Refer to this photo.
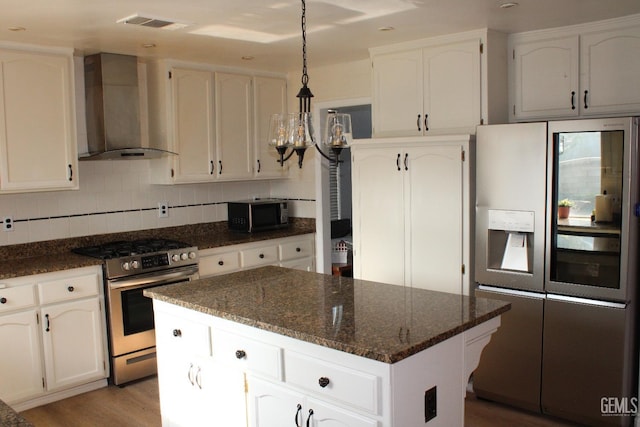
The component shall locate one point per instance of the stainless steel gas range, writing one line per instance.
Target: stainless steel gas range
(130, 267)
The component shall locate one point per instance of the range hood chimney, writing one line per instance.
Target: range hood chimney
(113, 109)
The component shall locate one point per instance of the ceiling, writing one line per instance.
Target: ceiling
(269, 31)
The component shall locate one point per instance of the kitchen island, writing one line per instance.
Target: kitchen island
(274, 345)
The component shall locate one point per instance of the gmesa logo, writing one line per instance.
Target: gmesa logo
(615, 406)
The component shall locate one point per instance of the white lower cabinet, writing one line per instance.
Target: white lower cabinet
(55, 325)
(292, 252)
(273, 405)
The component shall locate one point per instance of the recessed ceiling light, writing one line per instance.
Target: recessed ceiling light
(17, 29)
(149, 45)
(507, 5)
(386, 29)
(247, 58)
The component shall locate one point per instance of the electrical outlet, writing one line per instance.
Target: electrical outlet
(7, 223)
(163, 210)
(430, 404)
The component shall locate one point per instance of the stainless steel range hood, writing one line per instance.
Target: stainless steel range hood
(113, 109)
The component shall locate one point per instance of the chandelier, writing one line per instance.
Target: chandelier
(294, 132)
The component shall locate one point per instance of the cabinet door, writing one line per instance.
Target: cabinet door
(325, 415)
(397, 94)
(452, 87)
(609, 66)
(378, 214)
(69, 360)
(270, 97)
(37, 122)
(21, 366)
(270, 405)
(433, 215)
(234, 126)
(545, 78)
(192, 93)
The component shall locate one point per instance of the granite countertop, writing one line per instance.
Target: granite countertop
(55, 255)
(9, 417)
(382, 322)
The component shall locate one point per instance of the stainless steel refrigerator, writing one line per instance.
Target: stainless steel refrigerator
(567, 347)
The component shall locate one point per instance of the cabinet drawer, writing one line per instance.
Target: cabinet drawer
(68, 288)
(264, 255)
(356, 388)
(16, 298)
(219, 264)
(297, 249)
(247, 354)
(178, 335)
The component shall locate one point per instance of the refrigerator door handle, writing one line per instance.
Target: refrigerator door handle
(587, 301)
(512, 292)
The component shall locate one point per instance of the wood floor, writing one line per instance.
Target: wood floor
(137, 405)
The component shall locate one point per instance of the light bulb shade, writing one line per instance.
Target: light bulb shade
(300, 130)
(337, 132)
(278, 134)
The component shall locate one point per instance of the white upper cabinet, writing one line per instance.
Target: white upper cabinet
(545, 76)
(234, 125)
(38, 147)
(609, 70)
(439, 86)
(214, 121)
(579, 71)
(269, 97)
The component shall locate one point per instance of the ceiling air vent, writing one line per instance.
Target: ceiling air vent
(152, 22)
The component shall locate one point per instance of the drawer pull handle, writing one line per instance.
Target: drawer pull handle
(261, 256)
(299, 409)
(177, 333)
(323, 381)
(3, 300)
(309, 417)
(241, 354)
(71, 288)
(220, 262)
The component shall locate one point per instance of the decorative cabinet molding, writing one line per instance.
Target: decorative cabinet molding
(216, 121)
(441, 85)
(56, 324)
(38, 145)
(580, 71)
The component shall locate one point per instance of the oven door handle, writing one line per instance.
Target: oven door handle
(189, 272)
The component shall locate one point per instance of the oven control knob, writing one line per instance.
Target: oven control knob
(135, 264)
(192, 255)
(126, 266)
(183, 256)
(175, 257)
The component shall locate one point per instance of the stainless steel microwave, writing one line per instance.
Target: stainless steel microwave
(249, 216)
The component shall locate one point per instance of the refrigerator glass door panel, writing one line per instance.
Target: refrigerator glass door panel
(587, 247)
(510, 366)
(585, 358)
(510, 205)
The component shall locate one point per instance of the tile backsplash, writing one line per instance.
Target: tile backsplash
(116, 196)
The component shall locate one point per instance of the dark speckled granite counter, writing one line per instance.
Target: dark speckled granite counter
(54, 255)
(9, 417)
(382, 322)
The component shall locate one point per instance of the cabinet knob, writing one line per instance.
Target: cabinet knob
(177, 333)
(241, 354)
(298, 249)
(220, 262)
(323, 381)
(3, 300)
(71, 288)
(261, 256)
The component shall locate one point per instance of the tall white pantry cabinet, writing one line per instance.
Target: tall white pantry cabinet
(413, 211)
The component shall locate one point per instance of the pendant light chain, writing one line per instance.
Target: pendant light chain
(305, 76)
